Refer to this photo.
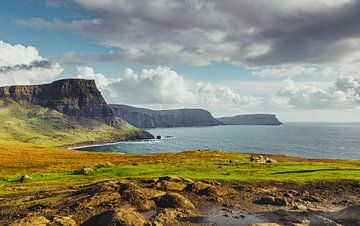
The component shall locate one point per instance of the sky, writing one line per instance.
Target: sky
(299, 60)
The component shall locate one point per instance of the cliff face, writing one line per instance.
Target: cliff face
(146, 118)
(255, 119)
(73, 97)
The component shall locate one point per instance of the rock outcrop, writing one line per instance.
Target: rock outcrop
(146, 118)
(73, 97)
(253, 119)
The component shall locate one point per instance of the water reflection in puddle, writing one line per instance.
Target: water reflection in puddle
(219, 215)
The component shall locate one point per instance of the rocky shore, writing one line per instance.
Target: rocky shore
(173, 200)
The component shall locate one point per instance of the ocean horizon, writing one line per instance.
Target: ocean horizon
(299, 139)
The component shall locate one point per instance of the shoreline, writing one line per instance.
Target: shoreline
(78, 148)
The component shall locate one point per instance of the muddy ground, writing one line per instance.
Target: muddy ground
(179, 201)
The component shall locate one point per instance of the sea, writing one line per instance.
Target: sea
(310, 140)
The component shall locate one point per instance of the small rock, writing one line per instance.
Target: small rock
(171, 178)
(300, 207)
(174, 200)
(25, 178)
(233, 161)
(197, 186)
(312, 199)
(63, 221)
(270, 160)
(84, 171)
(187, 180)
(215, 191)
(264, 224)
(158, 137)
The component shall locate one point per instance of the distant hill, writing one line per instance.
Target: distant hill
(253, 119)
(64, 112)
(147, 118)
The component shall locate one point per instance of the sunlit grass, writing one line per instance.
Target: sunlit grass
(52, 168)
(25, 123)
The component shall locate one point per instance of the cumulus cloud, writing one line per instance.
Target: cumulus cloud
(86, 72)
(344, 94)
(160, 85)
(198, 32)
(23, 65)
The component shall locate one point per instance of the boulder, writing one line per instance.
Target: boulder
(31, 221)
(270, 160)
(25, 178)
(261, 159)
(172, 186)
(197, 186)
(174, 200)
(84, 171)
(140, 197)
(122, 216)
(215, 191)
(269, 200)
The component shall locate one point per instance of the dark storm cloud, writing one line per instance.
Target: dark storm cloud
(198, 32)
(34, 64)
(315, 37)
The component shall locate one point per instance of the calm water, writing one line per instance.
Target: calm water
(316, 140)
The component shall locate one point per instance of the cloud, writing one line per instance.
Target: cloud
(344, 94)
(23, 65)
(164, 88)
(86, 72)
(198, 32)
(284, 71)
(160, 85)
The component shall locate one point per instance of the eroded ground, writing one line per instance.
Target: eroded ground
(54, 186)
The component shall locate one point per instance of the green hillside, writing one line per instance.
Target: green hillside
(33, 124)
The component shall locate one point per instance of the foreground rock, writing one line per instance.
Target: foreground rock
(275, 201)
(142, 198)
(216, 191)
(43, 221)
(121, 216)
(139, 202)
(31, 220)
(174, 200)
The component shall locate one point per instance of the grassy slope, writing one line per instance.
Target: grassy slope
(52, 167)
(30, 124)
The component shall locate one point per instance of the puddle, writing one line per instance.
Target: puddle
(219, 215)
(149, 214)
